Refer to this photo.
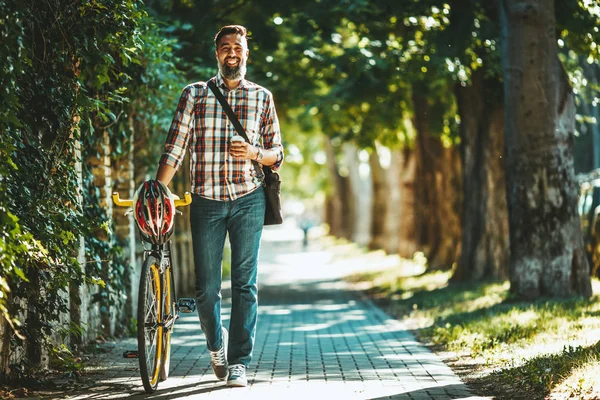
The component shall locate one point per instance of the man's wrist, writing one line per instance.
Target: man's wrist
(259, 154)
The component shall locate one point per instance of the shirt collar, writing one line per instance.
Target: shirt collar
(221, 82)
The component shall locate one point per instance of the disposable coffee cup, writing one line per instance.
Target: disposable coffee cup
(237, 138)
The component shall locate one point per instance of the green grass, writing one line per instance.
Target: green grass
(542, 373)
(518, 348)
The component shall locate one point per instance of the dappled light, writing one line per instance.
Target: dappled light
(440, 186)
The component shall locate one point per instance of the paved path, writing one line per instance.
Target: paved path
(315, 339)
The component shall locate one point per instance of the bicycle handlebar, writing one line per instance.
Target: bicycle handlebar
(187, 200)
(121, 203)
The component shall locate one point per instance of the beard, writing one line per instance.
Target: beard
(233, 73)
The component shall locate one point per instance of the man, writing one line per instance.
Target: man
(227, 195)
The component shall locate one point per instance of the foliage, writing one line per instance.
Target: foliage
(90, 70)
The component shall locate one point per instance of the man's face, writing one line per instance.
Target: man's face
(232, 53)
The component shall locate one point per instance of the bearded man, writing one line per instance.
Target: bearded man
(228, 196)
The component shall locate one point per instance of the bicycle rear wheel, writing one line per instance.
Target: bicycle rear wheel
(150, 332)
(170, 315)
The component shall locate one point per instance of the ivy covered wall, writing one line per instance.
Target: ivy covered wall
(86, 88)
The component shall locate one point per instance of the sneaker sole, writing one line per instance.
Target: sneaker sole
(237, 384)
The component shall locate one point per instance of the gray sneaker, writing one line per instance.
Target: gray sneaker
(219, 358)
(237, 376)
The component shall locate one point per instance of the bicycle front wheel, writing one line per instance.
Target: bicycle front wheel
(150, 331)
(170, 316)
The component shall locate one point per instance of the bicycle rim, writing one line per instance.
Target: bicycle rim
(169, 307)
(149, 330)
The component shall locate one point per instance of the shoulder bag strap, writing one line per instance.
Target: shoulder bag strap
(234, 120)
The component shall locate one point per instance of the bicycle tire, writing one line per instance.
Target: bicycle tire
(169, 309)
(150, 331)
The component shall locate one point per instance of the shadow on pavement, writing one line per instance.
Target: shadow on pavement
(314, 337)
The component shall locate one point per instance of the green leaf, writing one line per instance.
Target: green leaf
(20, 273)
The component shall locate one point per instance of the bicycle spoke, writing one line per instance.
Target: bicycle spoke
(152, 321)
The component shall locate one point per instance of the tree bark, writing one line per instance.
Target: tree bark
(359, 197)
(546, 246)
(5, 334)
(436, 200)
(340, 208)
(393, 206)
(485, 247)
(406, 164)
(380, 202)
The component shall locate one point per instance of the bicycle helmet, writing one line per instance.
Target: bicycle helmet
(154, 211)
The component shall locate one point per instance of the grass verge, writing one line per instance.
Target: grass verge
(546, 349)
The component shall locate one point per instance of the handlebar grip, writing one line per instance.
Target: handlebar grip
(121, 203)
(185, 202)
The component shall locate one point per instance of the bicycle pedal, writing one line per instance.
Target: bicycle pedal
(130, 354)
(186, 305)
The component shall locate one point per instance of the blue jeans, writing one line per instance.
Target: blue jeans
(211, 220)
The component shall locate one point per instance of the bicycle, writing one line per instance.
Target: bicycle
(157, 308)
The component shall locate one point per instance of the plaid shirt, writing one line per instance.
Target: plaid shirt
(201, 124)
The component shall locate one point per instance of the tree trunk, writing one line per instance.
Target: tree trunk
(340, 207)
(5, 334)
(436, 201)
(360, 194)
(393, 207)
(546, 247)
(484, 252)
(406, 164)
(380, 203)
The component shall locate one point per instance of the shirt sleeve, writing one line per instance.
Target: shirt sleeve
(270, 131)
(180, 131)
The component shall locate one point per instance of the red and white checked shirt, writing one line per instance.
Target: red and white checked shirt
(200, 124)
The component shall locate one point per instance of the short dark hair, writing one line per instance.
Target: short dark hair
(230, 29)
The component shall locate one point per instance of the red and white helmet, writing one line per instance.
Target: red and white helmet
(154, 211)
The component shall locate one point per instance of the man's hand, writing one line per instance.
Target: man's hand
(242, 150)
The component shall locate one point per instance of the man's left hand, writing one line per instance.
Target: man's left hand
(242, 150)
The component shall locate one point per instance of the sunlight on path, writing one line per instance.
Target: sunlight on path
(315, 339)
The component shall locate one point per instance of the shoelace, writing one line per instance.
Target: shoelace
(218, 357)
(237, 370)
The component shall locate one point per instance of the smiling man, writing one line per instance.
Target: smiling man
(228, 196)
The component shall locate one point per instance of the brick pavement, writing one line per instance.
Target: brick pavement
(315, 339)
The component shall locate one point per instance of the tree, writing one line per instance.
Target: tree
(474, 35)
(547, 256)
